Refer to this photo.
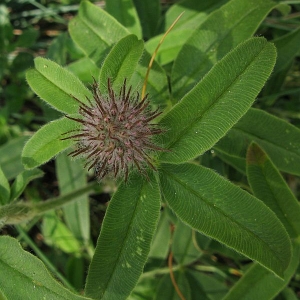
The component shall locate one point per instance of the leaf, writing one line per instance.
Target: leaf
(56, 85)
(287, 49)
(46, 143)
(160, 244)
(279, 139)
(171, 46)
(149, 12)
(71, 176)
(84, 69)
(195, 13)
(215, 207)
(95, 31)
(4, 189)
(125, 12)
(269, 186)
(10, 157)
(203, 116)
(22, 181)
(57, 235)
(24, 274)
(222, 31)
(259, 283)
(166, 289)
(121, 62)
(125, 239)
(183, 245)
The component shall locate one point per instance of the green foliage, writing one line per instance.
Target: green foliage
(211, 207)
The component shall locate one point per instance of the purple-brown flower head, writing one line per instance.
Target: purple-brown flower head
(115, 132)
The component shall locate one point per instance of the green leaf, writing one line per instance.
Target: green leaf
(183, 244)
(269, 186)
(84, 69)
(57, 235)
(149, 12)
(215, 104)
(222, 31)
(278, 138)
(23, 274)
(195, 13)
(171, 46)
(95, 31)
(10, 157)
(125, 12)
(22, 181)
(166, 289)
(56, 85)
(125, 239)
(121, 62)
(287, 49)
(46, 143)
(4, 188)
(215, 207)
(71, 176)
(160, 245)
(259, 283)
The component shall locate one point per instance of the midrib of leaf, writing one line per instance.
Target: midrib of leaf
(215, 102)
(55, 86)
(222, 213)
(30, 279)
(192, 75)
(124, 241)
(263, 140)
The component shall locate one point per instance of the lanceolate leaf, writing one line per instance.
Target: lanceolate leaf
(121, 62)
(125, 239)
(238, 19)
(212, 205)
(24, 276)
(125, 12)
(56, 85)
(95, 32)
(4, 189)
(278, 138)
(46, 143)
(259, 283)
(215, 104)
(269, 186)
(70, 177)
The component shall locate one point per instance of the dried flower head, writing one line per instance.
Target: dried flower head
(115, 132)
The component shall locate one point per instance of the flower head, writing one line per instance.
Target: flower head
(115, 132)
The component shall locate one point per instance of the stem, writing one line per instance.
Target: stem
(19, 212)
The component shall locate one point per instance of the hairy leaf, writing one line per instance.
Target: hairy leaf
(215, 104)
(238, 19)
(56, 85)
(269, 186)
(278, 138)
(125, 239)
(24, 274)
(214, 206)
(46, 143)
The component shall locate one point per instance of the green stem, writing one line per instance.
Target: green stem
(19, 212)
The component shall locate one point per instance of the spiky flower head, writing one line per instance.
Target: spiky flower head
(115, 132)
